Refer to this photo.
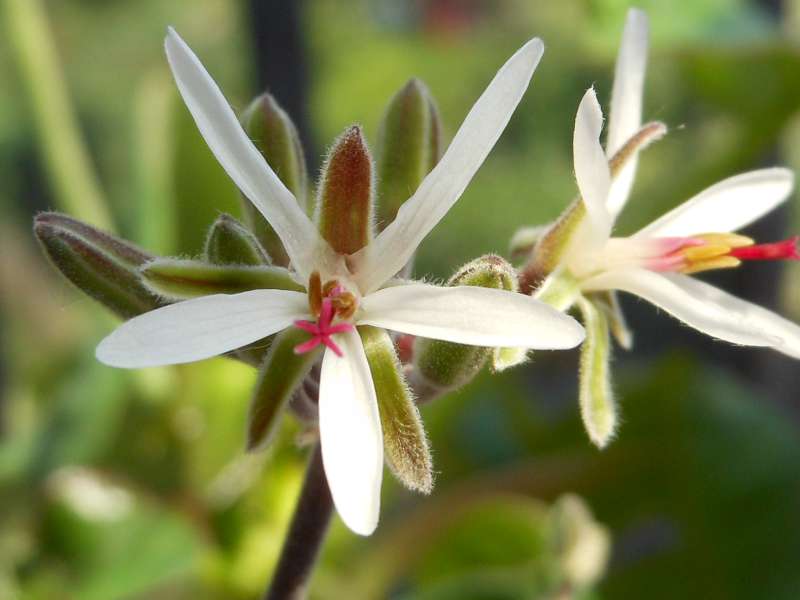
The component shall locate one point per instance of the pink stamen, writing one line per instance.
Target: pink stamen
(322, 330)
(668, 245)
(307, 346)
(665, 264)
(783, 250)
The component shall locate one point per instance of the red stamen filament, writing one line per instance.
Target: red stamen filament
(784, 250)
(322, 330)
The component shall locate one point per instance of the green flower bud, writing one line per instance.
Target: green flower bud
(178, 279)
(409, 146)
(598, 407)
(404, 440)
(231, 243)
(581, 545)
(276, 137)
(344, 204)
(280, 375)
(103, 266)
(442, 366)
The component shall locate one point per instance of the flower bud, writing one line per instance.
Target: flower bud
(276, 137)
(101, 265)
(344, 205)
(409, 147)
(230, 243)
(178, 279)
(581, 545)
(445, 365)
(405, 443)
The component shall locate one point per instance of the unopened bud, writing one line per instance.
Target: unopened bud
(405, 443)
(344, 205)
(446, 365)
(276, 137)
(410, 142)
(580, 543)
(103, 266)
(178, 279)
(231, 243)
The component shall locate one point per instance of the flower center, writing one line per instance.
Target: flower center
(717, 251)
(327, 303)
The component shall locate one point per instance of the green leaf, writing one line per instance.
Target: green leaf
(280, 375)
(181, 279)
(405, 443)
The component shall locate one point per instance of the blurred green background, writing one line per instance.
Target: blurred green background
(118, 484)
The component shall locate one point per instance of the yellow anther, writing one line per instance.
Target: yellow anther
(700, 253)
(345, 305)
(719, 262)
(732, 240)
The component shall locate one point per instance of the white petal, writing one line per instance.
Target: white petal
(698, 304)
(471, 315)
(446, 182)
(239, 157)
(350, 433)
(591, 165)
(726, 206)
(200, 328)
(625, 116)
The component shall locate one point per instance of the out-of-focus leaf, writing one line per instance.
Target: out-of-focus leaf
(202, 188)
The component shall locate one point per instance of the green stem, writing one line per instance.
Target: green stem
(67, 162)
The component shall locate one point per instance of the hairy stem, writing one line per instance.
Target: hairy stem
(307, 531)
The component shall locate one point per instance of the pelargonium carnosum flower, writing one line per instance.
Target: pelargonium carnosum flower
(344, 293)
(578, 260)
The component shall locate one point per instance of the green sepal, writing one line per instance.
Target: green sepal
(276, 137)
(346, 192)
(409, 146)
(280, 375)
(180, 279)
(580, 545)
(447, 365)
(598, 407)
(609, 302)
(102, 266)
(230, 243)
(405, 444)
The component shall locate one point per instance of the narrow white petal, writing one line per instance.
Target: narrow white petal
(726, 206)
(446, 182)
(471, 315)
(591, 164)
(350, 434)
(200, 328)
(239, 157)
(625, 116)
(698, 304)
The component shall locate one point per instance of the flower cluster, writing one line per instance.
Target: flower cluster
(326, 309)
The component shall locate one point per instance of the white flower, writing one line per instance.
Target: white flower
(656, 262)
(355, 290)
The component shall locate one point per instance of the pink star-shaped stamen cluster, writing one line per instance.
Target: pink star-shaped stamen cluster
(322, 330)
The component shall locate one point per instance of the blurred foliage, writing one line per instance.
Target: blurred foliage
(135, 484)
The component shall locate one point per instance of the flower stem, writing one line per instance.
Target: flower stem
(307, 531)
